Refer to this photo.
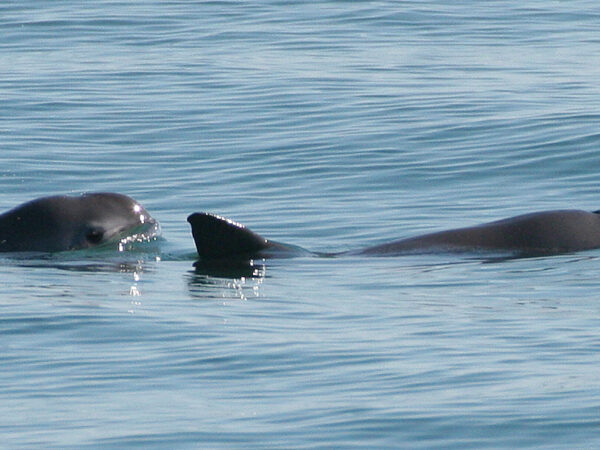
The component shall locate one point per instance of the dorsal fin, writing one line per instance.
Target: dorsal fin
(220, 238)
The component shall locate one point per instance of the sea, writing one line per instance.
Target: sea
(331, 125)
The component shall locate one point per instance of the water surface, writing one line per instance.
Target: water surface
(330, 125)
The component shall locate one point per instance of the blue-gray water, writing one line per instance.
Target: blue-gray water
(331, 125)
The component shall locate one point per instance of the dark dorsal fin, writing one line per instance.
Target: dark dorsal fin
(220, 238)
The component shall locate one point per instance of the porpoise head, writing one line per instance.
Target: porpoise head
(59, 223)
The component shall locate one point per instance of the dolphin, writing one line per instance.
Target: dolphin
(59, 223)
(538, 233)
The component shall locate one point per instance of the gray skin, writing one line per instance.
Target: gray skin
(540, 233)
(547, 232)
(59, 223)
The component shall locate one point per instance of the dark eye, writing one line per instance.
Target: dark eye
(94, 236)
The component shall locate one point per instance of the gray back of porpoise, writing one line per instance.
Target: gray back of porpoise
(540, 232)
(58, 223)
(546, 232)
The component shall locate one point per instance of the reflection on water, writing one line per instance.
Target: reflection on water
(96, 266)
(237, 279)
(130, 259)
(231, 269)
(243, 279)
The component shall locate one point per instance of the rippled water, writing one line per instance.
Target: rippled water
(334, 126)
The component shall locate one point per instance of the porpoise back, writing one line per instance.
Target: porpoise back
(546, 232)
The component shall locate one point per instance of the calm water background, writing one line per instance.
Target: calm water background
(331, 125)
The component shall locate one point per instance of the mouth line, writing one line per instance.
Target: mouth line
(145, 232)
